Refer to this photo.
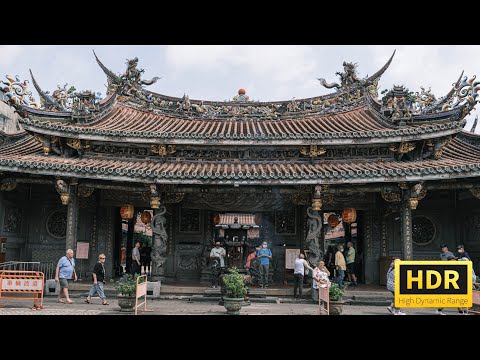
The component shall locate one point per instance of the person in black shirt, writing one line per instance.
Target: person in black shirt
(146, 258)
(461, 253)
(98, 281)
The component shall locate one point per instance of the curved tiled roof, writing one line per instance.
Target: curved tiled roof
(359, 124)
(459, 160)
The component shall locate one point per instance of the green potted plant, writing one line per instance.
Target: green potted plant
(126, 289)
(336, 299)
(235, 291)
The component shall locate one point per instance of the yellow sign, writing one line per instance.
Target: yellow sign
(433, 284)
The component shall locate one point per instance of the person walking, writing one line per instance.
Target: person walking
(330, 260)
(391, 287)
(136, 263)
(65, 271)
(265, 256)
(350, 259)
(146, 258)
(98, 276)
(340, 266)
(217, 254)
(298, 274)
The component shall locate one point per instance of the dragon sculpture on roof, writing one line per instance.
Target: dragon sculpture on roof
(129, 84)
(349, 78)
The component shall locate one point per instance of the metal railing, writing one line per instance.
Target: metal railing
(48, 268)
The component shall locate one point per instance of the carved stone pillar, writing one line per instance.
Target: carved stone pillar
(406, 226)
(159, 248)
(315, 254)
(72, 217)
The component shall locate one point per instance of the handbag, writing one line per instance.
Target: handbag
(73, 272)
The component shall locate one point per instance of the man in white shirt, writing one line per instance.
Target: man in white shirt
(217, 258)
(299, 273)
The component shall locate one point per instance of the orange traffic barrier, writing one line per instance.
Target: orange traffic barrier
(14, 283)
(141, 291)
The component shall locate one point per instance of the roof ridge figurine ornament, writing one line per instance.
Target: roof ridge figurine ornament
(17, 93)
(129, 84)
(349, 78)
(68, 100)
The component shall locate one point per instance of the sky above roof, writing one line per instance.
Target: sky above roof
(267, 72)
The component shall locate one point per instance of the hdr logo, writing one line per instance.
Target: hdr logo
(433, 284)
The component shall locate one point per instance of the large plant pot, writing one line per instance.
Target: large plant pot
(336, 307)
(126, 303)
(233, 305)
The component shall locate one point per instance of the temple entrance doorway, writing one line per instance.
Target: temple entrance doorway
(128, 232)
(336, 232)
(239, 233)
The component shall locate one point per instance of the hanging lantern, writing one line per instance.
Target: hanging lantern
(146, 217)
(349, 215)
(333, 220)
(258, 219)
(127, 211)
(216, 219)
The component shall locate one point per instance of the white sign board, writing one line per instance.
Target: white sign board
(142, 289)
(82, 250)
(22, 284)
(290, 256)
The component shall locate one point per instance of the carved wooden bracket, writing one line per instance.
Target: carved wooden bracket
(313, 151)
(390, 196)
(475, 192)
(163, 150)
(62, 188)
(8, 184)
(85, 192)
(402, 148)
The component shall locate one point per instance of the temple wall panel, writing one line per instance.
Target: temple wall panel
(105, 237)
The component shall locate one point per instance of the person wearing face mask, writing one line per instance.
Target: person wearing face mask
(461, 253)
(265, 256)
(340, 266)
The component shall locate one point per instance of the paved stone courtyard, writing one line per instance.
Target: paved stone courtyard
(181, 307)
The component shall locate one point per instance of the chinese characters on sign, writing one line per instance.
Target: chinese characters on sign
(22, 284)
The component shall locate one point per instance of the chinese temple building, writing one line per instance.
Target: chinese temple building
(399, 168)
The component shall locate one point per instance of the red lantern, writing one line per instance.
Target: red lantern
(333, 220)
(349, 215)
(146, 217)
(127, 211)
(216, 218)
(258, 219)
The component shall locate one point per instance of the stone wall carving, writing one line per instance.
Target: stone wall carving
(12, 221)
(160, 239)
(423, 230)
(188, 261)
(57, 224)
(315, 253)
(189, 220)
(47, 252)
(285, 222)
